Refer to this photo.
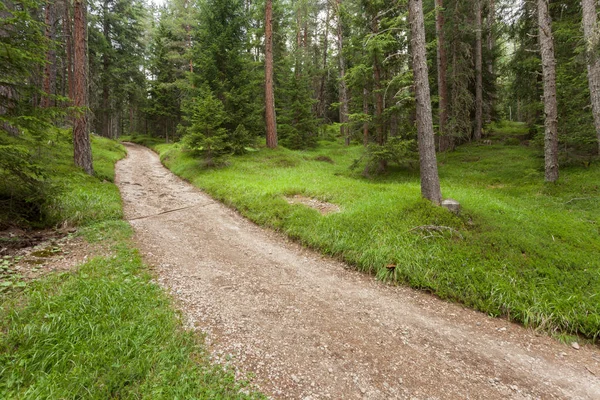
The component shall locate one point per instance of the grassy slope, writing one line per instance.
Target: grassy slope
(526, 249)
(106, 330)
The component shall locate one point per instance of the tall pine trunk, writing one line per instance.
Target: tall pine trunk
(105, 114)
(344, 128)
(491, 17)
(67, 27)
(591, 34)
(269, 91)
(322, 101)
(82, 150)
(446, 142)
(430, 183)
(550, 106)
(49, 83)
(478, 73)
(366, 112)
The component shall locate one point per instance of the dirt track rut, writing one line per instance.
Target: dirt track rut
(307, 327)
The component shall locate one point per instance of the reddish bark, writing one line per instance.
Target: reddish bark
(270, 118)
(82, 150)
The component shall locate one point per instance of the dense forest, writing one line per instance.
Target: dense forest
(220, 75)
(342, 124)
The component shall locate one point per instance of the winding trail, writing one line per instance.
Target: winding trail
(307, 327)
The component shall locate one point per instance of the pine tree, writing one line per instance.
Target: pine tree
(592, 38)
(446, 140)
(550, 106)
(269, 90)
(430, 184)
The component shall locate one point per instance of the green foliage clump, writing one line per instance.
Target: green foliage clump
(204, 133)
(396, 151)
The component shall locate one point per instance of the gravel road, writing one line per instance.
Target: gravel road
(305, 326)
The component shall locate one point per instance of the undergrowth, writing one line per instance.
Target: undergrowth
(521, 248)
(106, 330)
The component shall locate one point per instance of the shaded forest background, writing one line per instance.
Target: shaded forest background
(194, 70)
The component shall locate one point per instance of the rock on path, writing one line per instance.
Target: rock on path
(308, 327)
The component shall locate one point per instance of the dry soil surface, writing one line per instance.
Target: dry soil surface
(307, 327)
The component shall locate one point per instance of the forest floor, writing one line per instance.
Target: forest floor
(306, 326)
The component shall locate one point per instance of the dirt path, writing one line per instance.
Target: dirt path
(308, 327)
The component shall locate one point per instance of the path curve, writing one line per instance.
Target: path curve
(308, 327)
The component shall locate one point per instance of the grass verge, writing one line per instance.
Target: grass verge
(521, 248)
(106, 330)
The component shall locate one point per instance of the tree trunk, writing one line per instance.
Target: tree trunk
(491, 17)
(269, 91)
(188, 31)
(49, 84)
(590, 32)
(67, 27)
(366, 112)
(344, 128)
(105, 114)
(430, 183)
(378, 101)
(322, 101)
(478, 73)
(446, 142)
(82, 150)
(550, 107)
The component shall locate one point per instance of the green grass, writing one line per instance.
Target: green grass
(106, 330)
(526, 250)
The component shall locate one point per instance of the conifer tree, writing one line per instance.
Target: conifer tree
(81, 138)
(550, 105)
(430, 184)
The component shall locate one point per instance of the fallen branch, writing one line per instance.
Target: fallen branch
(170, 211)
(436, 228)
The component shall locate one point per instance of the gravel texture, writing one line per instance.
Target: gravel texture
(304, 326)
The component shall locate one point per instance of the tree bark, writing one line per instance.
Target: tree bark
(491, 17)
(430, 183)
(550, 106)
(344, 128)
(365, 112)
(82, 150)
(105, 114)
(269, 91)
(49, 84)
(478, 73)
(322, 101)
(446, 142)
(592, 39)
(67, 27)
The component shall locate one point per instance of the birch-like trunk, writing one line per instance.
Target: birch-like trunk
(82, 150)
(550, 106)
(430, 183)
(592, 41)
(269, 90)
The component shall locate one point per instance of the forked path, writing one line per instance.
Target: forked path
(306, 326)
